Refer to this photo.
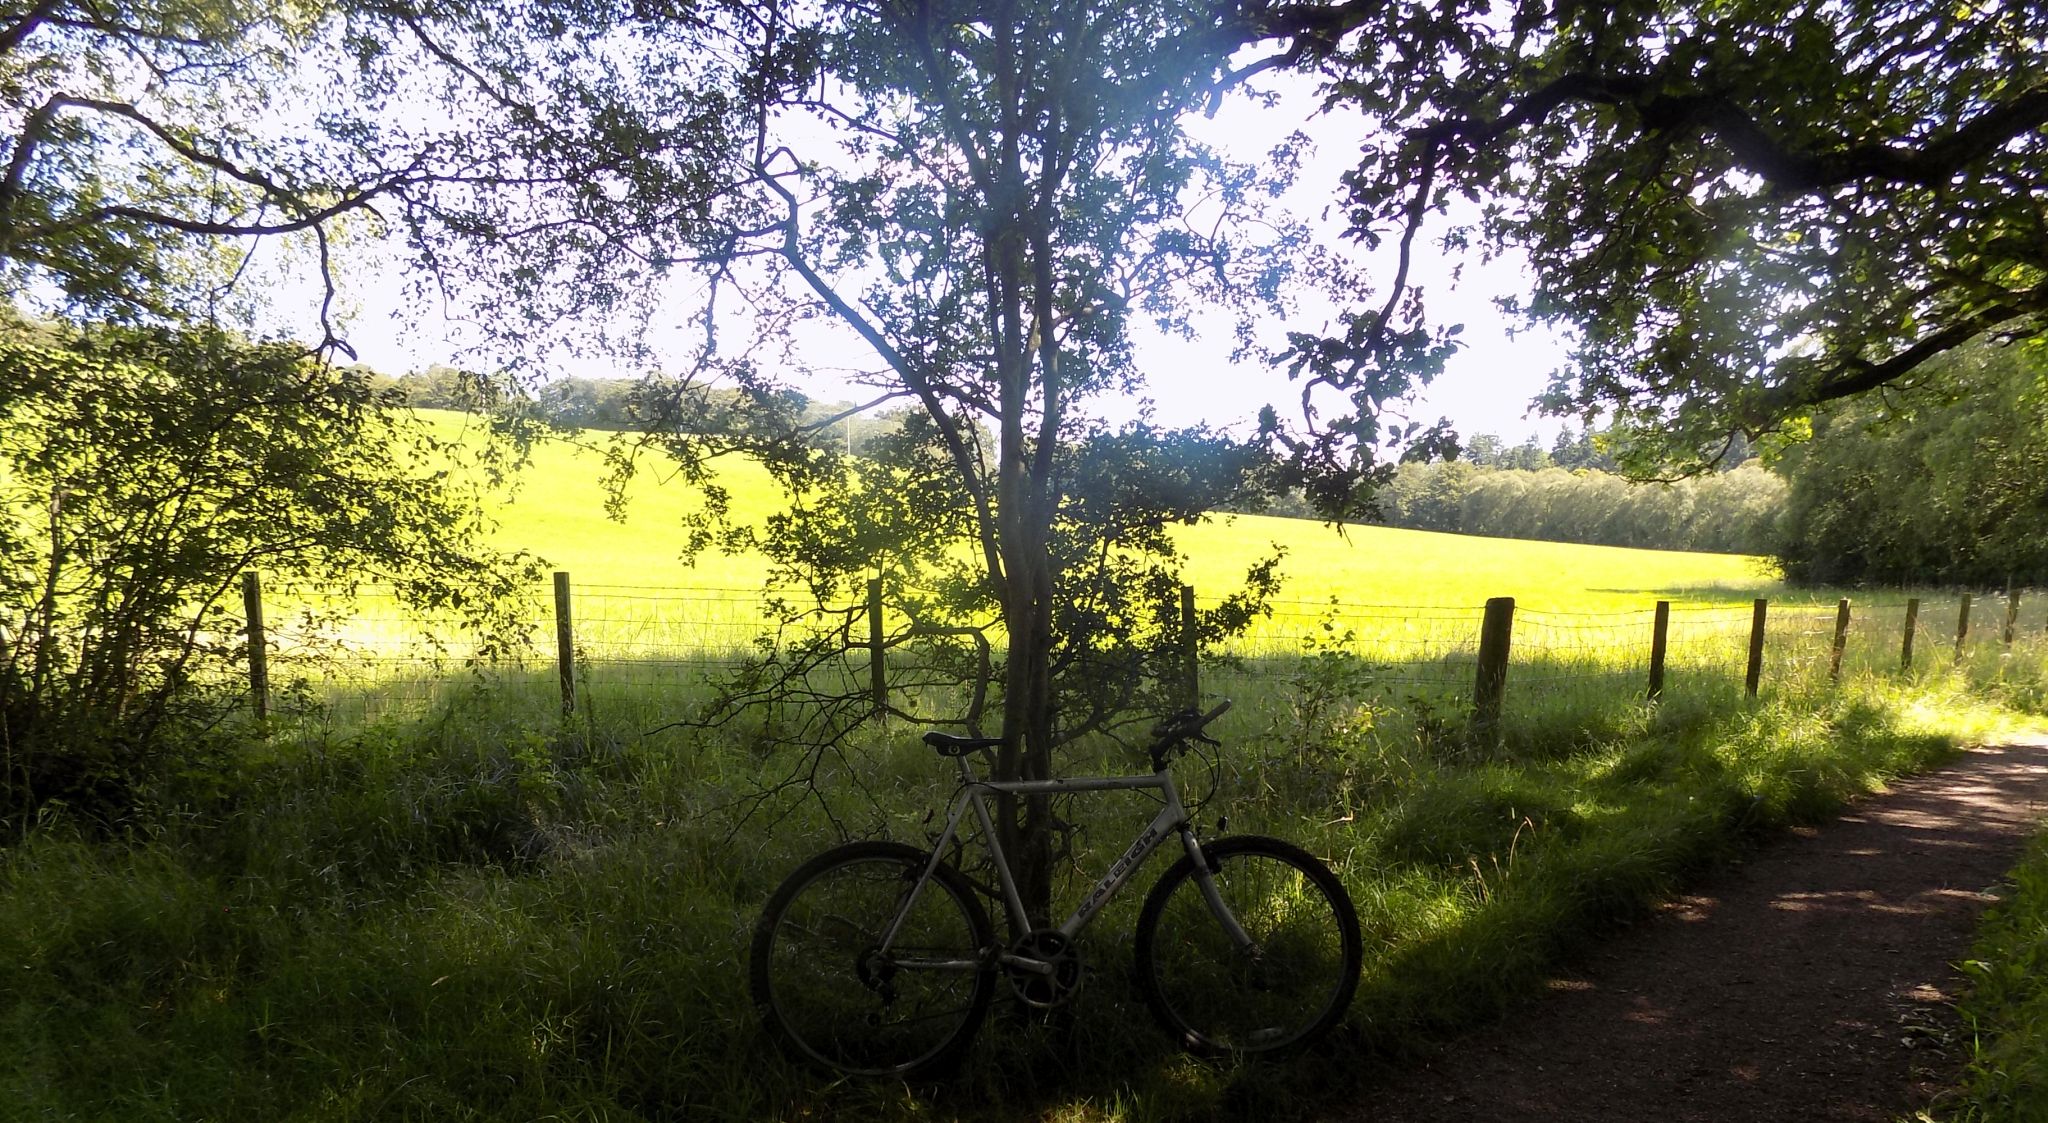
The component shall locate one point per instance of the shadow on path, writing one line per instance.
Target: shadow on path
(1804, 985)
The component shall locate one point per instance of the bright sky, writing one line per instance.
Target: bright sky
(1486, 388)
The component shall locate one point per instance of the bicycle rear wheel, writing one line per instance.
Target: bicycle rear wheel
(1288, 988)
(822, 982)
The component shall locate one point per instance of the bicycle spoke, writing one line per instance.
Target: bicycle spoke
(1287, 988)
(824, 983)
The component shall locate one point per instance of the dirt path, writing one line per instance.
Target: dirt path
(1811, 983)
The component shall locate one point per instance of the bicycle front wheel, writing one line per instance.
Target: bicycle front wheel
(1284, 989)
(825, 985)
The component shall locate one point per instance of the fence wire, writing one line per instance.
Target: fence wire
(1416, 649)
(343, 656)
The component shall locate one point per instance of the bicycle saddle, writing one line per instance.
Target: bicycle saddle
(950, 744)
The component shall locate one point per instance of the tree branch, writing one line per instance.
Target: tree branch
(13, 36)
(1790, 171)
(1854, 374)
(217, 229)
(963, 460)
(178, 144)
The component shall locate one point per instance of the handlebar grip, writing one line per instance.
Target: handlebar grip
(1186, 723)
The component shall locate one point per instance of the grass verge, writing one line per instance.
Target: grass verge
(2005, 1015)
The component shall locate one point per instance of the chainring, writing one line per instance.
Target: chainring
(1053, 988)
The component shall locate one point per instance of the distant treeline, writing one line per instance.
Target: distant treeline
(1734, 512)
(1569, 493)
(572, 403)
(1943, 480)
(617, 405)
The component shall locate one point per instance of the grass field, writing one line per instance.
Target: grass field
(482, 910)
(1406, 602)
(557, 511)
(1404, 595)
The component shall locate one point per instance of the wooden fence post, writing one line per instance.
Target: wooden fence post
(1754, 677)
(1192, 670)
(1496, 635)
(2012, 615)
(1912, 623)
(878, 672)
(259, 647)
(565, 643)
(1841, 640)
(1962, 627)
(1660, 631)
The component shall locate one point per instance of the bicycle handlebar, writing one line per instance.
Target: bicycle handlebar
(1185, 725)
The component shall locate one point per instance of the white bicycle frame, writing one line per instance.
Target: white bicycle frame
(973, 794)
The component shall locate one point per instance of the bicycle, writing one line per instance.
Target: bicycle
(877, 958)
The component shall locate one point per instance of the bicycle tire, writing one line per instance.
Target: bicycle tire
(820, 986)
(1219, 1001)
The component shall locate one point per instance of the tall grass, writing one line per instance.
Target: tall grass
(492, 913)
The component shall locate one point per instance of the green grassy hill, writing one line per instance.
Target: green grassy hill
(557, 511)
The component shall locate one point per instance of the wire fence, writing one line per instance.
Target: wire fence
(344, 656)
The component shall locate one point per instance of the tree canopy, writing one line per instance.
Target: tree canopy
(151, 147)
(1742, 209)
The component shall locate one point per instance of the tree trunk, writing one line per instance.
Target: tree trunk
(1028, 723)
(1026, 533)
(1025, 508)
